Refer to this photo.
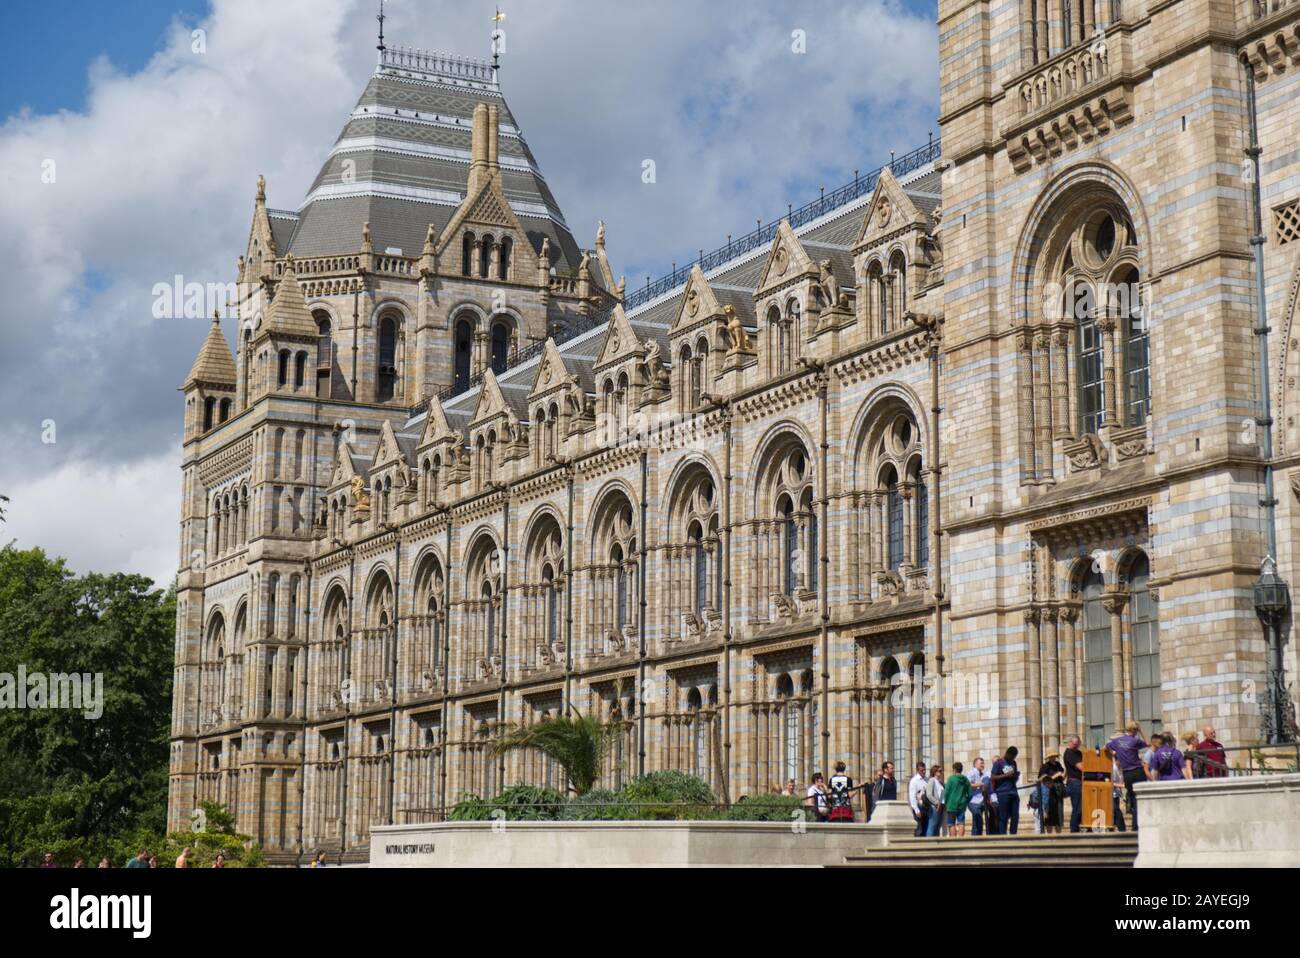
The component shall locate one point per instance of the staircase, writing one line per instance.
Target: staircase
(1082, 850)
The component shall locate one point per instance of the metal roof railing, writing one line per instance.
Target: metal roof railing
(861, 186)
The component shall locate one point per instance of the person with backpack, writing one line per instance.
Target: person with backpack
(1005, 775)
(1167, 762)
(841, 795)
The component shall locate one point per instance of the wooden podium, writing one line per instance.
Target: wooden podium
(1098, 803)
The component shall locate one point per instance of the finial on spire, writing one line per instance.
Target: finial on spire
(381, 48)
(261, 188)
(497, 36)
(216, 316)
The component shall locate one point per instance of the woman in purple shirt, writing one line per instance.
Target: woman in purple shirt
(1167, 763)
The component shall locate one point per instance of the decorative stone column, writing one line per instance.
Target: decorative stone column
(1114, 603)
(1043, 406)
(1025, 404)
(1071, 652)
(1052, 676)
(1061, 384)
(1034, 691)
(1106, 326)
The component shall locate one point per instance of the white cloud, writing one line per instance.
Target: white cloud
(102, 519)
(156, 176)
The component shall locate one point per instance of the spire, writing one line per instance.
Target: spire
(288, 314)
(214, 364)
(381, 48)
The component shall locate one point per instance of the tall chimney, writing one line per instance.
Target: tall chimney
(493, 127)
(478, 148)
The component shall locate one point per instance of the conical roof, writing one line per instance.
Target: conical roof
(402, 161)
(214, 364)
(288, 314)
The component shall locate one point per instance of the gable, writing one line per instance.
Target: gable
(551, 370)
(488, 208)
(787, 260)
(436, 427)
(343, 469)
(491, 401)
(620, 340)
(891, 209)
(698, 302)
(388, 450)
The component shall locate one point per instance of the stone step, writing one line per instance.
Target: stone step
(1081, 851)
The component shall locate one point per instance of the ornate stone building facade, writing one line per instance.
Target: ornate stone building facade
(962, 455)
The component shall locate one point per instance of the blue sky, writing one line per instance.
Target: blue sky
(158, 146)
(44, 57)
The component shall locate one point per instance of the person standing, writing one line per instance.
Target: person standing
(221, 861)
(816, 797)
(956, 797)
(1211, 754)
(183, 860)
(934, 799)
(916, 799)
(1051, 792)
(1005, 775)
(840, 798)
(1127, 749)
(141, 860)
(1167, 762)
(979, 803)
(885, 788)
(1074, 780)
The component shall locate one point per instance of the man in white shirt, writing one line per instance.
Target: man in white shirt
(978, 781)
(915, 798)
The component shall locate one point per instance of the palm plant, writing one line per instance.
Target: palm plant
(577, 743)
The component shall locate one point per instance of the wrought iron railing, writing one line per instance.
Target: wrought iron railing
(861, 186)
(763, 235)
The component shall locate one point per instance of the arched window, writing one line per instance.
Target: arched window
(620, 587)
(464, 353)
(794, 334)
(552, 429)
(1137, 357)
(792, 492)
(283, 378)
(790, 737)
(324, 355)
(789, 546)
(225, 410)
(921, 519)
(490, 636)
(552, 606)
(209, 407)
(500, 346)
(699, 567)
(881, 299)
(503, 265)
(485, 256)
(1095, 263)
(697, 378)
(776, 341)
(1098, 673)
(894, 507)
(1089, 360)
(467, 255)
(272, 597)
(1144, 637)
(387, 378)
(299, 370)
(875, 302)
(898, 286)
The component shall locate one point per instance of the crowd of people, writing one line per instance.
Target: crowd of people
(989, 797)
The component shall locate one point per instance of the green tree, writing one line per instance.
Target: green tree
(577, 743)
(68, 780)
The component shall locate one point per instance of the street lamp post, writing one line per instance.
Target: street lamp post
(1272, 600)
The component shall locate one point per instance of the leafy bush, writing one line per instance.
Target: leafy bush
(600, 804)
(521, 803)
(765, 808)
(670, 794)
